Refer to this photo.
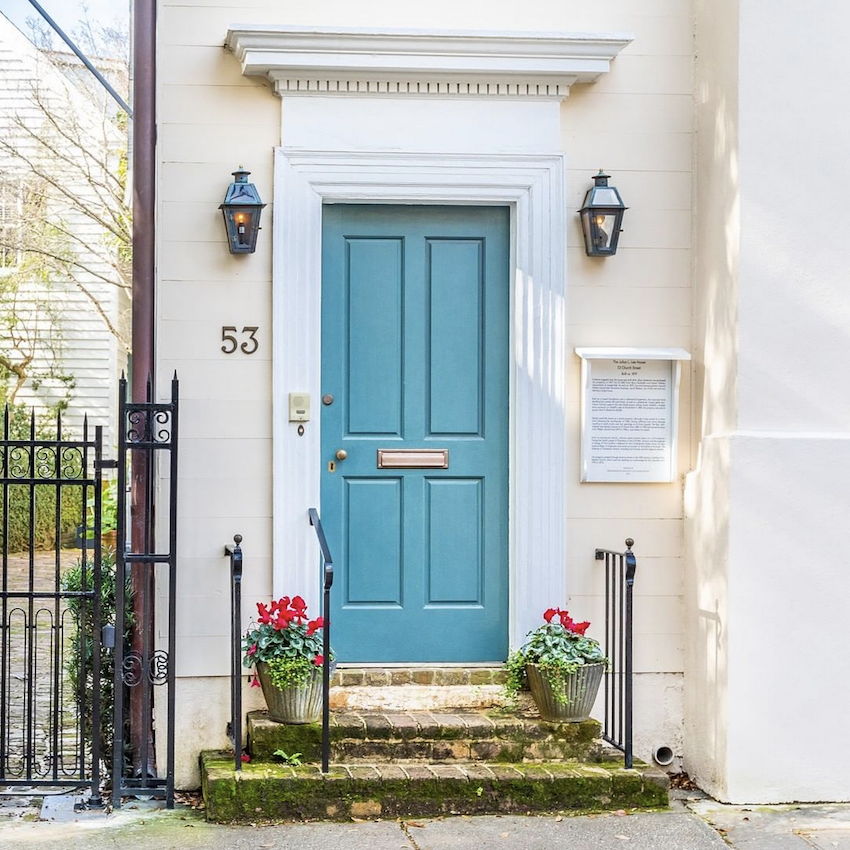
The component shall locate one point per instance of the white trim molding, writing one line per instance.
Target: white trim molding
(315, 60)
(533, 186)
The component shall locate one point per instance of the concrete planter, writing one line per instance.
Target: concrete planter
(580, 690)
(296, 704)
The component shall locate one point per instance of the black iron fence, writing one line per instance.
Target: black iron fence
(617, 726)
(234, 727)
(327, 583)
(50, 606)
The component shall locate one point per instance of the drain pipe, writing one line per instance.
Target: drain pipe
(663, 756)
(143, 366)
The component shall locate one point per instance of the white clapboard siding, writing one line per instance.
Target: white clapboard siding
(86, 348)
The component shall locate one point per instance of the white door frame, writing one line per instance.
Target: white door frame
(532, 185)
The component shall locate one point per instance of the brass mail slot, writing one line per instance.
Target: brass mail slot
(413, 458)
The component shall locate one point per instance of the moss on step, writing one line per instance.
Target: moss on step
(265, 791)
(265, 738)
(435, 737)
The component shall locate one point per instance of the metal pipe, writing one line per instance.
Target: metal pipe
(663, 755)
(81, 56)
(143, 366)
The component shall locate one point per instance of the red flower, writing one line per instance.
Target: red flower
(566, 620)
(299, 609)
(246, 757)
(283, 619)
(319, 660)
(252, 649)
(265, 616)
(314, 625)
(255, 681)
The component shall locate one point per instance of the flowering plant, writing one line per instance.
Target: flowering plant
(286, 640)
(558, 648)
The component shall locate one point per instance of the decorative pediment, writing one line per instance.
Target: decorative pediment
(310, 60)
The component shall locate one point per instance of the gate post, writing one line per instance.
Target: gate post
(146, 429)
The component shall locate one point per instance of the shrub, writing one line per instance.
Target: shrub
(44, 518)
(80, 651)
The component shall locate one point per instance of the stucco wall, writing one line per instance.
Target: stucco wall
(636, 122)
(714, 412)
(767, 506)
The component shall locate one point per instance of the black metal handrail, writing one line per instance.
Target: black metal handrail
(328, 580)
(620, 568)
(234, 728)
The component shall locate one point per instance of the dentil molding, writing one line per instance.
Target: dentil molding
(342, 61)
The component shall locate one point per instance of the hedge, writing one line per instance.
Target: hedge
(44, 527)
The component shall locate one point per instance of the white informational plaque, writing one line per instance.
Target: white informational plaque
(629, 413)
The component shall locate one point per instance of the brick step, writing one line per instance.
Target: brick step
(273, 792)
(417, 688)
(383, 737)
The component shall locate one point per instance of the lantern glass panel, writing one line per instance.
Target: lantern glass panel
(604, 228)
(606, 196)
(242, 225)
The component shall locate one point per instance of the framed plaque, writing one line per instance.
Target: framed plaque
(629, 413)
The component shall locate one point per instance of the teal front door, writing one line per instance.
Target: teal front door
(415, 306)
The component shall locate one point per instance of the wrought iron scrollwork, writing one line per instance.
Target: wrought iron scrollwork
(133, 668)
(150, 425)
(72, 463)
(45, 462)
(158, 667)
(19, 462)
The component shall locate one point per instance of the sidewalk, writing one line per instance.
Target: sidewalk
(690, 824)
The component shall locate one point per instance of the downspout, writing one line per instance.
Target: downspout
(143, 371)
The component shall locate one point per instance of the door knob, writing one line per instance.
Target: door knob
(341, 454)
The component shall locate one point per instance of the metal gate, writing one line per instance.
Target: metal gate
(145, 657)
(50, 605)
(85, 682)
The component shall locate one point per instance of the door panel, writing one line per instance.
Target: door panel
(455, 300)
(374, 335)
(415, 304)
(454, 525)
(373, 574)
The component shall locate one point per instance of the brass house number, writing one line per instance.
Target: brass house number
(231, 343)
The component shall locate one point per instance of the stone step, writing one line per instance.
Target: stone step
(431, 737)
(417, 688)
(263, 791)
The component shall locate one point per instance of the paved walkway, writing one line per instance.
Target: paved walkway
(692, 823)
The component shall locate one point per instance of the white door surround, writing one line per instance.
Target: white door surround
(426, 118)
(533, 187)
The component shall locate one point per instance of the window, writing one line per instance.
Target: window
(11, 223)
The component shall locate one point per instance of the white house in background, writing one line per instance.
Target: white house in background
(722, 126)
(81, 318)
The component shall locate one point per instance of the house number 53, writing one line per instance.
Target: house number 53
(231, 343)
